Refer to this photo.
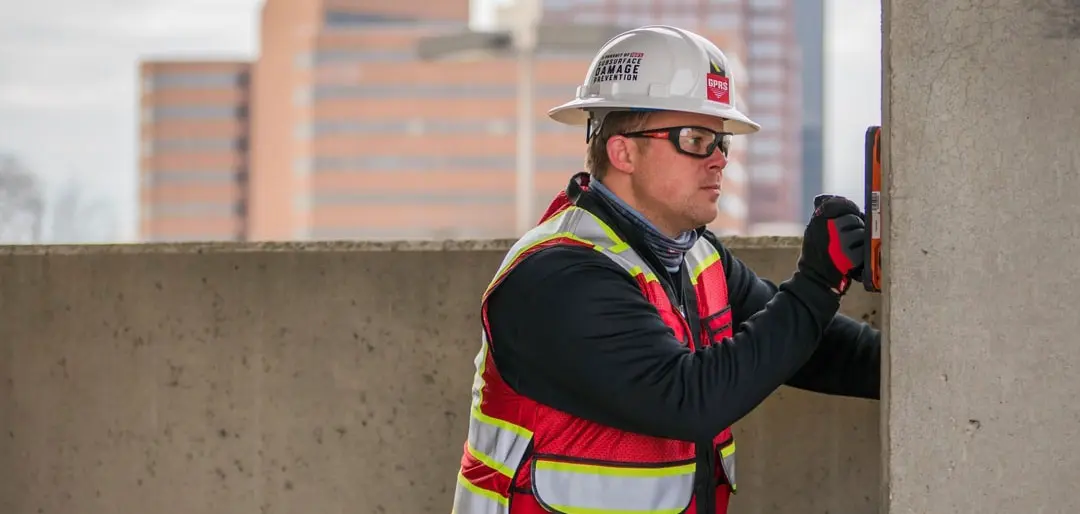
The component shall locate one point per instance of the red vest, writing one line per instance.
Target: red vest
(522, 457)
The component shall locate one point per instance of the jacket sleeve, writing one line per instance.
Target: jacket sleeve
(571, 330)
(847, 362)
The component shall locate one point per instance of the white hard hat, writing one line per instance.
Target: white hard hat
(657, 67)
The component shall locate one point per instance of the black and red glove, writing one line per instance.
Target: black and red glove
(832, 252)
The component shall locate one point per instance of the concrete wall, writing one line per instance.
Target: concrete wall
(320, 378)
(982, 117)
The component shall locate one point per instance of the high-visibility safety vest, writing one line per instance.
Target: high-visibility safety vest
(522, 457)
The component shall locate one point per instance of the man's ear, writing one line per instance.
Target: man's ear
(623, 153)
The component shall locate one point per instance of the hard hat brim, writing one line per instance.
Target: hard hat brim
(576, 112)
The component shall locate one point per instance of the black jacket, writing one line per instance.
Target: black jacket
(571, 329)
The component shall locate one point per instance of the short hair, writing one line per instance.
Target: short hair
(616, 122)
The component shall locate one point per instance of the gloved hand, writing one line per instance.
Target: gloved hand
(832, 252)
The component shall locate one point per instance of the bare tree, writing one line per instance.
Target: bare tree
(29, 215)
(75, 217)
(22, 203)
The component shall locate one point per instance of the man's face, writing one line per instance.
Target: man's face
(678, 191)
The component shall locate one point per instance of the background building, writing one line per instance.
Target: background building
(193, 162)
(352, 137)
(810, 31)
(775, 161)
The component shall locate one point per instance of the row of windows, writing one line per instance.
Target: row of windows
(367, 163)
(194, 112)
(768, 49)
(384, 234)
(421, 198)
(195, 144)
(769, 74)
(683, 18)
(199, 177)
(768, 26)
(341, 56)
(196, 80)
(419, 127)
(159, 237)
(335, 19)
(195, 210)
(562, 5)
(307, 94)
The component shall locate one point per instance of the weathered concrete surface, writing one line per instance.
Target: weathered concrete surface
(293, 378)
(982, 117)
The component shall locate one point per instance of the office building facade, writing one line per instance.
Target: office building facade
(193, 162)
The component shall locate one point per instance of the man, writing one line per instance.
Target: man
(621, 340)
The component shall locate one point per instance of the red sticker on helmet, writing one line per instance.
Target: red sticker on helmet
(717, 88)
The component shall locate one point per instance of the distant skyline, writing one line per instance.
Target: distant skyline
(67, 83)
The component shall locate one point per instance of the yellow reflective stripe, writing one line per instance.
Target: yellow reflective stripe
(469, 499)
(727, 461)
(566, 509)
(576, 488)
(701, 256)
(649, 276)
(576, 467)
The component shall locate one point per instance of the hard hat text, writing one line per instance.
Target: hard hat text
(620, 66)
(717, 83)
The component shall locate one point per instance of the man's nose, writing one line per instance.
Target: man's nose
(716, 160)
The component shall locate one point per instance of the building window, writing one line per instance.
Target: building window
(735, 173)
(337, 198)
(190, 112)
(302, 96)
(767, 74)
(195, 210)
(198, 80)
(203, 177)
(335, 91)
(760, 98)
(765, 26)
(722, 20)
(766, 173)
(767, 4)
(766, 49)
(765, 148)
(733, 206)
(194, 144)
(303, 60)
(302, 166)
(350, 56)
(347, 19)
(303, 131)
(412, 162)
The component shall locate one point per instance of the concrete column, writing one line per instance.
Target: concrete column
(982, 250)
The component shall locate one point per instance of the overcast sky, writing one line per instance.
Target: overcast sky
(68, 82)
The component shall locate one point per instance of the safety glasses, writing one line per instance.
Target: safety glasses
(694, 141)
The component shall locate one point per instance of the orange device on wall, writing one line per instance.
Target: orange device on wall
(871, 276)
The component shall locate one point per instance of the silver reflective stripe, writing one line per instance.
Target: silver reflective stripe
(574, 488)
(497, 444)
(582, 225)
(727, 460)
(469, 499)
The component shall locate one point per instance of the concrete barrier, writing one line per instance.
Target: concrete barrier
(314, 378)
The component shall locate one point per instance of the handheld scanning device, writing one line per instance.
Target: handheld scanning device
(871, 274)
